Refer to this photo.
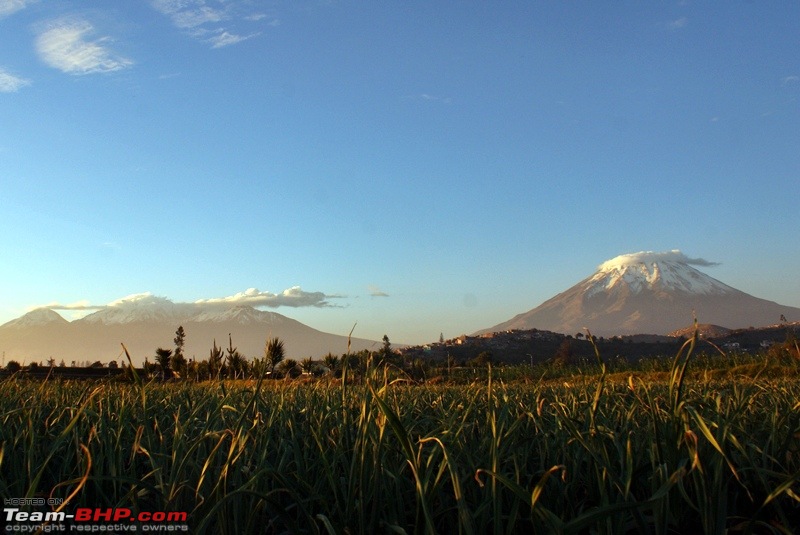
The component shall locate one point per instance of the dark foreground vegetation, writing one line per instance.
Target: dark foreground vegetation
(680, 445)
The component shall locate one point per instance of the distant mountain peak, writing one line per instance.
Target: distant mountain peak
(144, 322)
(37, 317)
(146, 308)
(647, 293)
(241, 314)
(140, 308)
(667, 271)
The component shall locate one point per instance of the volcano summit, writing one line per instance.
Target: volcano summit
(652, 293)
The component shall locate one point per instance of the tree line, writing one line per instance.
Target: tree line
(230, 363)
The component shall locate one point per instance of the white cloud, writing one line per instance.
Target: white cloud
(192, 18)
(188, 14)
(255, 17)
(677, 24)
(10, 83)
(7, 7)
(64, 46)
(787, 80)
(137, 299)
(77, 305)
(648, 257)
(293, 297)
(227, 39)
(133, 300)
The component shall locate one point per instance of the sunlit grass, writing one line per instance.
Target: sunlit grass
(681, 450)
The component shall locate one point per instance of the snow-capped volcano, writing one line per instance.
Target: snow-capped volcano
(671, 272)
(648, 292)
(140, 308)
(147, 308)
(241, 314)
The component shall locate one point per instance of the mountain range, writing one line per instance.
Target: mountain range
(648, 293)
(638, 293)
(146, 323)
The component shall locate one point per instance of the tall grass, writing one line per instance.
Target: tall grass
(584, 454)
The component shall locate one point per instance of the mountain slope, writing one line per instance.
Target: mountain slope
(145, 324)
(648, 293)
(36, 318)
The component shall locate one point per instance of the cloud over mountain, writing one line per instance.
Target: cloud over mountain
(674, 255)
(145, 321)
(292, 297)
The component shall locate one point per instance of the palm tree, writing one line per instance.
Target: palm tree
(259, 367)
(308, 365)
(274, 353)
(289, 368)
(331, 361)
(238, 365)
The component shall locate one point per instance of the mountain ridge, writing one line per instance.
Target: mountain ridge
(43, 333)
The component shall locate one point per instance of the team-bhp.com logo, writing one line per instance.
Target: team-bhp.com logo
(90, 519)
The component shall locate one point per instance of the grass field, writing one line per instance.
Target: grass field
(677, 451)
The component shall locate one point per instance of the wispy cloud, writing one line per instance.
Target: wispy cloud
(426, 97)
(700, 262)
(10, 83)
(789, 80)
(192, 18)
(204, 19)
(255, 17)
(226, 39)
(374, 291)
(677, 24)
(78, 305)
(647, 257)
(65, 45)
(7, 7)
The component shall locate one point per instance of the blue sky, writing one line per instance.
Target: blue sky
(425, 167)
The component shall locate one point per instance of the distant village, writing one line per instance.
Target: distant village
(534, 346)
